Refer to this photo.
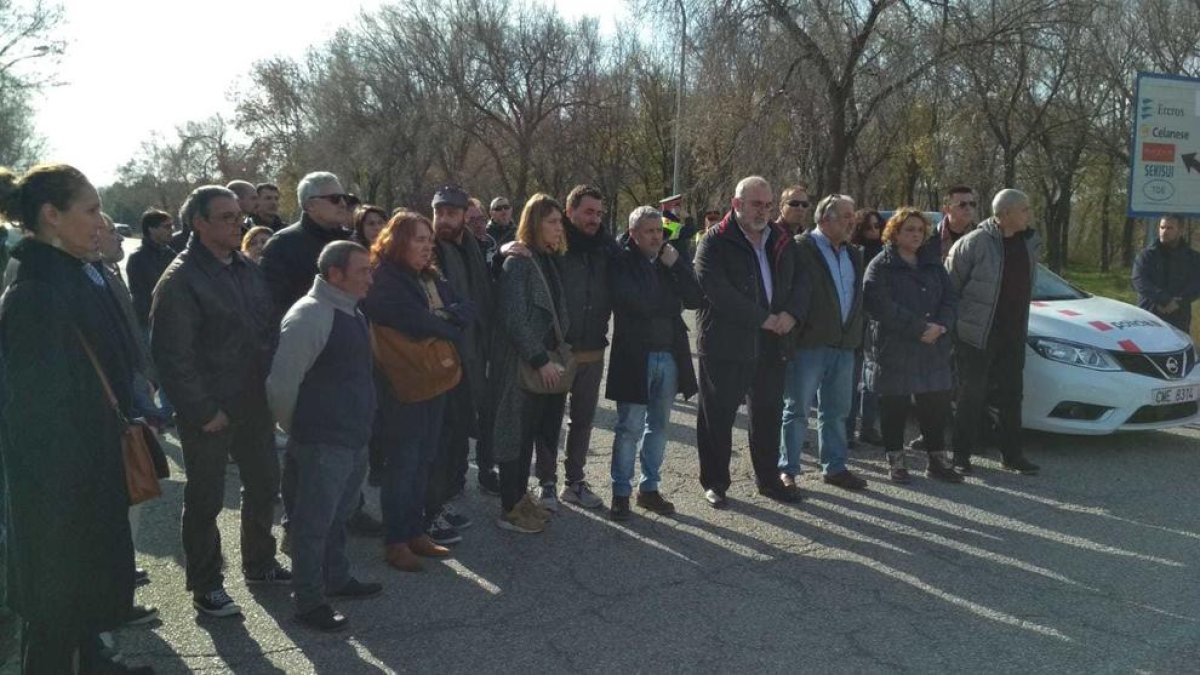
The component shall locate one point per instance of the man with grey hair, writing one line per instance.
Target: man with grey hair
(823, 364)
(247, 197)
(322, 393)
(290, 257)
(747, 269)
(651, 358)
(289, 262)
(993, 269)
(212, 340)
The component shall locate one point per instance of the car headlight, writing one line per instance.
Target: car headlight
(1073, 354)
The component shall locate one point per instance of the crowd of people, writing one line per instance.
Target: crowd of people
(382, 342)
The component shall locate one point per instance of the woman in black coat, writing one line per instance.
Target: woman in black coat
(410, 296)
(911, 305)
(70, 567)
(868, 230)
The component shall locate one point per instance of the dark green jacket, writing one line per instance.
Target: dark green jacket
(822, 326)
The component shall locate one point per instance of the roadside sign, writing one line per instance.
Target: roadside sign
(1164, 172)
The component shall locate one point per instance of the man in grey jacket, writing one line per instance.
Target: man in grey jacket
(993, 269)
(322, 393)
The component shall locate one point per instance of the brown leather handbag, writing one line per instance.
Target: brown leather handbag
(418, 370)
(141, 476)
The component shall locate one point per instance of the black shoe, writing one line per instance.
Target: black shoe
(141, 614)
(619, 509)
(870, 436)
(1020, 465)
(937, 470)
(442, 533)
(654, 501)
(216, 603)
(363, 524)
(275, 575)
(489, 483)
(323, 618)
(962, 465)
(355, 589)
(140, 577)
(845, 480)
(716, 499)
(781, 493)
(457, 520)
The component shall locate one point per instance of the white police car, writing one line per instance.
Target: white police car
(1096, 365)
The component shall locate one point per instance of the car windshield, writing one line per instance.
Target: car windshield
(1049, 286)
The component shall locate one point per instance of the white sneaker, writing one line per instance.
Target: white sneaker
(581, 493)
(547, 499)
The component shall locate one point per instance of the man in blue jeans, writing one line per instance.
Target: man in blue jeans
(823, 365)
(322, 392)
(651, 357)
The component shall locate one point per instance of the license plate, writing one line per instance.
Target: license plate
(1175, 395)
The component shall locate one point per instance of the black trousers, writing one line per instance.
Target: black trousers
(454, 445)
(723, 387)
(55, 649)
(541, 418)
(992, 375)
(933, 413)
(251, 443)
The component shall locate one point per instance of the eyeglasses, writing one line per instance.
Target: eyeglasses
(338, 199)
(963, 205)
(502, 208)
(797, 203)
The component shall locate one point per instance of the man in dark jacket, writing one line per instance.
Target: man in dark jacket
(289, 262)
(147, 264)
(212, 340)
(322, 392)
(747, 269)
(268, 207)
(825, 344)
(959, 213)
(584, 271)
(651, 356)
(289, 259)
(501, 229)
(1166, 275)
(465, 269)
(993, 269)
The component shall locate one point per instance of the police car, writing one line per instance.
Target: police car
(1096, 365)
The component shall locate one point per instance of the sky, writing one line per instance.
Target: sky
(134, 67)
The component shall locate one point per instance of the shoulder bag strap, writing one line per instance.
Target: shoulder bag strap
(558, 334)
(108, 392)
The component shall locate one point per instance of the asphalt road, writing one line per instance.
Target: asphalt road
(1090, 567)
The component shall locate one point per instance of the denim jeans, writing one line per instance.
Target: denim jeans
(828, 374)
(329, 483)
(648, 422)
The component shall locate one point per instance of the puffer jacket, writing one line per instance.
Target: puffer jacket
(584, 271)
(901, 299)
(976, 266)
(211, 333)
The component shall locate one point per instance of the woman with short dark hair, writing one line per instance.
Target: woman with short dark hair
(911, 306)
(69, 545)
(410, 296)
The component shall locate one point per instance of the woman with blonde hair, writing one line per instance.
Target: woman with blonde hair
(531, 318)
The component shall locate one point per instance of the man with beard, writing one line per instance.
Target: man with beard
(747, 269)
(462, 263)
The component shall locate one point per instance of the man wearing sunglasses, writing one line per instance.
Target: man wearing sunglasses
(958, 208)
(793, 209)
(501, 229)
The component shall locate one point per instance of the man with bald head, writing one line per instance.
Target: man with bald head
(993, 269)
(747, 269)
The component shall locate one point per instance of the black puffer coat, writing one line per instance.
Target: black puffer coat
(900, 300)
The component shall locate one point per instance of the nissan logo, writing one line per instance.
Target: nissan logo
(1172, 365)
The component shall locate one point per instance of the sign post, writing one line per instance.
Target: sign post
(1164, 172)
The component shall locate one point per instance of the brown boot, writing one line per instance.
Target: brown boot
(402, 558)
(424, 547)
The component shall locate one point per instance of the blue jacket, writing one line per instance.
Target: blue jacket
(900, 300)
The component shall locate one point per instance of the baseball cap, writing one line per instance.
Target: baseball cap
(451, 195)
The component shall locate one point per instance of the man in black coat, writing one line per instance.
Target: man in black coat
(1166, 275)
(212, 340)
(651, 358)
(147, 264)
(747, 269)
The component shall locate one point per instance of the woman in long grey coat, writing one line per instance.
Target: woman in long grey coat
(911, 305)
(530, 294)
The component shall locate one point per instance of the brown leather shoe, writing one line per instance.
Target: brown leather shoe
(424, 547)
(402, 558)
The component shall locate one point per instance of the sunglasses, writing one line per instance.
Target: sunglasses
(966, 204)
(338, 199)
(502, 208)
(797, 203)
